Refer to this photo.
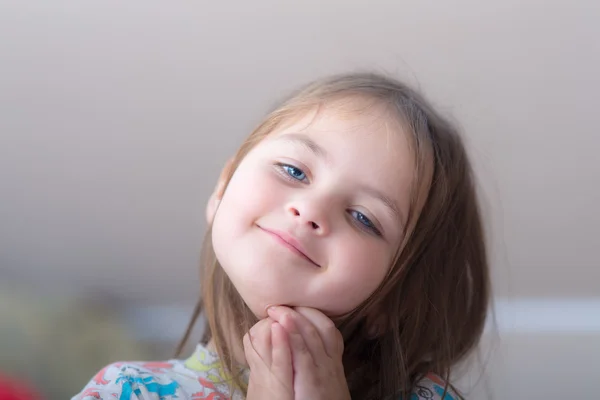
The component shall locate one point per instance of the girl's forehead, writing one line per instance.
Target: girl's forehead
(350, 127)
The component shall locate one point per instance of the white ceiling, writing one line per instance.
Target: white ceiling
(115, 118)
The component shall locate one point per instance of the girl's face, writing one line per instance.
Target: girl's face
(314, 213)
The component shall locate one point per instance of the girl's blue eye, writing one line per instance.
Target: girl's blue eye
(294, 172)
(364, 220)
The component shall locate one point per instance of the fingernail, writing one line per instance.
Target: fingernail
(271, 308)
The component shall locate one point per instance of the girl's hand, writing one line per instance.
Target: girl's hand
(269, 357)
(317, 348)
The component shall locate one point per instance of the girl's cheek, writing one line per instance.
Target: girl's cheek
(365, 263)
(255, 190)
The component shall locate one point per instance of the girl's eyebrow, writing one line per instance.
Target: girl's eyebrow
(390, 204)
(305, 141)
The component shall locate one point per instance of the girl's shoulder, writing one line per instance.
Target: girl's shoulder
(126, 379)
(432, 387)
(171, 379)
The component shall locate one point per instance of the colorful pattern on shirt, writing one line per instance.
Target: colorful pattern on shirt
(201, 377)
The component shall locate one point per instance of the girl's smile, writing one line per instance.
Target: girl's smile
(291, 243)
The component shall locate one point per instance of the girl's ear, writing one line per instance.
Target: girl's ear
(217, 194)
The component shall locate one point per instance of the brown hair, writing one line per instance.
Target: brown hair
(430, 311)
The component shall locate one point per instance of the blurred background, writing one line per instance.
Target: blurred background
(116, 117)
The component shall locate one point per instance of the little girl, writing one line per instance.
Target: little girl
(344, 258)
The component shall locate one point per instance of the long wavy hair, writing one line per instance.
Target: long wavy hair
(428, 314)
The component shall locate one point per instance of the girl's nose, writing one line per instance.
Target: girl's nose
(312, 217)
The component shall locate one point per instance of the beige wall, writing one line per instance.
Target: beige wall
(115, 118)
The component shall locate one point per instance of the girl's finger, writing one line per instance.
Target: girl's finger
(296, 323)
(330, 335)
(281, 355)
(260, 340)
(302, 358)
(251, 357)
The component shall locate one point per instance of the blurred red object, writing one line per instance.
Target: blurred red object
(13, 389)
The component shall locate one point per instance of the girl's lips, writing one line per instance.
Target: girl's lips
(290, 242)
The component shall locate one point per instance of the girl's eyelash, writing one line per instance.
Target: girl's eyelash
(366, 224)
(291, 172)
(295, 174)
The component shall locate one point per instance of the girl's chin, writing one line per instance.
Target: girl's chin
(260, 310)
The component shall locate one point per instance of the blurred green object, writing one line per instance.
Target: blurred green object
(58, 344)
